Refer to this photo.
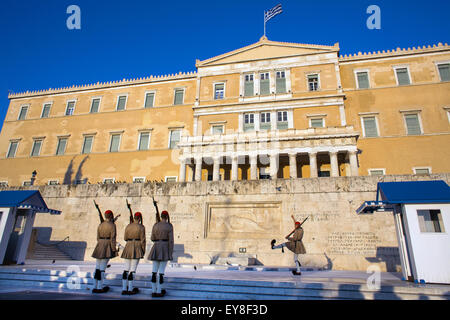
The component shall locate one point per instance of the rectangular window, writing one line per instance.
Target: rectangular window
(421, 171)
(3, 184)
(175, 136)
(149, 100)
(70, 108)
(282, 121)
(87, 144)
(217, 129)
(109, 180)
(12, 149)
(36, 150)
(363, 79)
(281, 82)
(179, 96)
(115, 142)
(144, 141)
(265, 123)
(171, 179)
(376, 172)
(248, 86)
(138, 179)
(316, 122)
(23, 113)
(46, 110)
(264, 84)
(53, 182)
(313, 82)
(61, 149)
(219, 91)
(249, 122)
(402, 76)
(444, 71)
(95, 105)
(430, 221)
(370, 127)
(121, 103)
(412, 124)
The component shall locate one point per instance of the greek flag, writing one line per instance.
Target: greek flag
(269, 14)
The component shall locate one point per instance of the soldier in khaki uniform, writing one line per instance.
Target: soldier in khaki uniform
(133, 251)
(294, 244)
(105, 250)
(161, 252)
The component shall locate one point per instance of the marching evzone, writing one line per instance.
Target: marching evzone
(133, 251)
(294, 244)
(161, 252)
(105, 250)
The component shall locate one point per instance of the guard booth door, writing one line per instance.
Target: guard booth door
(15, 239)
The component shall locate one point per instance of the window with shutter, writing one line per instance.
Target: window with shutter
(149, 100)
(265, 123)
(317, 123)
(248, 85)
(402, 76)
(87, 144)
(282, 121)
(12, 149)
(363, 80)
(115, 141)
(23, 113)
(121, 102)
(219, 90)
(444, 71)
(281, 82)
(46, 110)
(264, 84)
(412, 124)
(175, 136)
(313, 82)
(249, 121)
(179, 93)
(61, 149)
(370, 127)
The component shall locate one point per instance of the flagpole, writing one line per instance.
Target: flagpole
(264, 23)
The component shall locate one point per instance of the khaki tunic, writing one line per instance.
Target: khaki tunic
(106, 241)
(162, 250)
(135, 238)
(295, 243)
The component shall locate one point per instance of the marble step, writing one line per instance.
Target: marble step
(49, 253)
(202, 288)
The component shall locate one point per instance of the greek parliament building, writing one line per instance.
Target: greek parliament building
(270, 110)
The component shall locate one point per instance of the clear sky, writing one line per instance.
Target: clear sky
(129, 39)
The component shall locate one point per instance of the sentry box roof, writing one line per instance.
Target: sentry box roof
(25, 199)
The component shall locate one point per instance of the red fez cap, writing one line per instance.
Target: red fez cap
(108, 212)
(297, 223)
(165, 213)
(138, 214)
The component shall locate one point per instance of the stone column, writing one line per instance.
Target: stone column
(198, 168)
(234, 168)
(334, 164)
(216, 168)
(182, 170)
(274, 166)
(353, 163)
(253, 167)
(313, 164)
(293, 165)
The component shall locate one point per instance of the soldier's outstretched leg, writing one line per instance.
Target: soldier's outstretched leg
(273, 246)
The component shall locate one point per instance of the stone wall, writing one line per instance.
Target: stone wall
(240, 218)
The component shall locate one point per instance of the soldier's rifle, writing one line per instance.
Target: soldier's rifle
(101, 215)
(131, 212)
(158, 217)
(296, 227)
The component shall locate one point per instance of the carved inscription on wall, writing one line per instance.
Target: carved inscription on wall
(317, 217)
(246, 220)
(181, 217)
(353, 243)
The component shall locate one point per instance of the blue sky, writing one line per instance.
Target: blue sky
(129, 39)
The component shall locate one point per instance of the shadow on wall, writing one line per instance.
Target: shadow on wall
(178, 252)
(388, 255)
(75, 249)
(78, 179)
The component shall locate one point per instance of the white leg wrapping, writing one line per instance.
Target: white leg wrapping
(279, 246)
(155, 267)
(297, 263)
(161, 270)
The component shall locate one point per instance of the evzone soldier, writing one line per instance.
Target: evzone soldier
(105, 249)
(294, 244)
(133, 251)
(162, 250)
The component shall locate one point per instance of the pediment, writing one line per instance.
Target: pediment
(266, 49)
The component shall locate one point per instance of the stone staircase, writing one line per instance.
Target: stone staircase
(41, 252)
(191, 288)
